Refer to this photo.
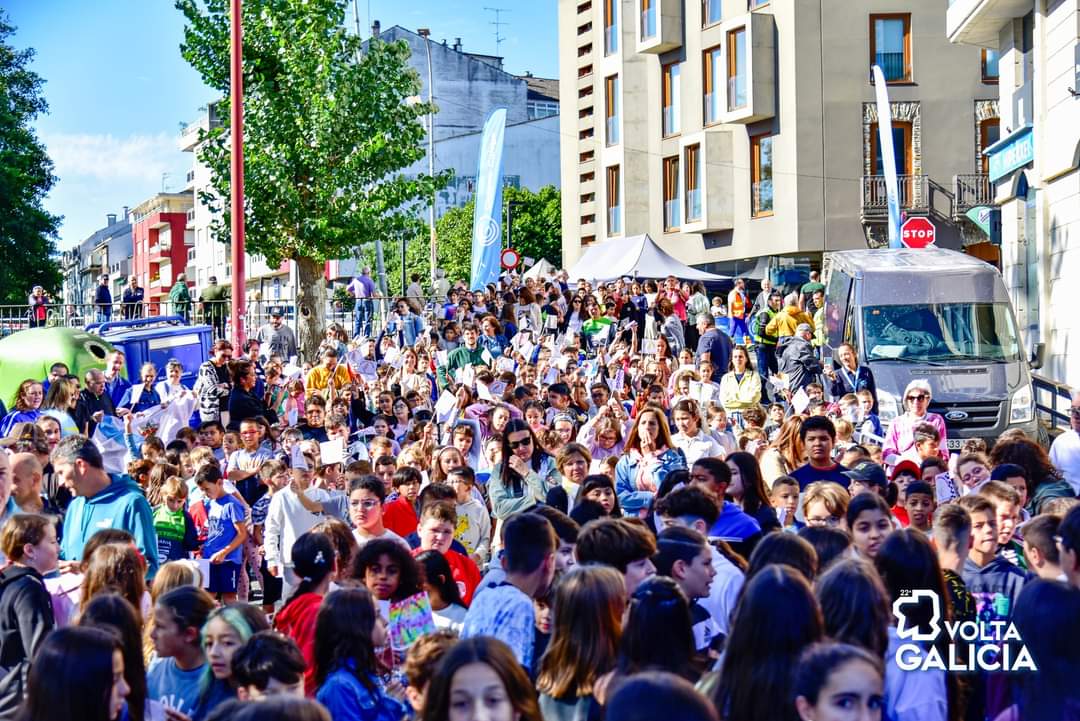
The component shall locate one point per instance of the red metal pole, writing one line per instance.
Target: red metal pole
(236, 79)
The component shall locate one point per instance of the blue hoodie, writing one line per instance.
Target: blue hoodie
(120, 505)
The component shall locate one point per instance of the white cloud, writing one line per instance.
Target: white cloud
(109, 158)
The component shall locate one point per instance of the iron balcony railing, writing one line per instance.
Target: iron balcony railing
(971, 190)
(913, 192)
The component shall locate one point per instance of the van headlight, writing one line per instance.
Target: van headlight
(888, 407)
(1022, 407)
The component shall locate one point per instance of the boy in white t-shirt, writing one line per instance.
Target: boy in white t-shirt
(473, 520)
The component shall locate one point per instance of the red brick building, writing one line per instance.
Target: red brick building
(160, 243)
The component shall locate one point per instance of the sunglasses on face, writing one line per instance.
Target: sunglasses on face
(918, 397)
(520, 444)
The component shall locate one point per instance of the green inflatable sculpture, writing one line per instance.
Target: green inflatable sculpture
(29, 353)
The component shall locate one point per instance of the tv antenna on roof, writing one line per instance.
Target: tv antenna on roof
(498, 23)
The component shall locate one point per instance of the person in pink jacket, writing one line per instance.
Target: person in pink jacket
(900, 438)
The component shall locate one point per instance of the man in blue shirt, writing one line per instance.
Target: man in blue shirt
(115, 383)
(713, 345)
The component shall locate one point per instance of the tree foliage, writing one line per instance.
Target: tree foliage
(327, 131)
(536, 232)
(27, 231)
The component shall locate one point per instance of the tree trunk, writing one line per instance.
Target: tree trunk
(310, 307)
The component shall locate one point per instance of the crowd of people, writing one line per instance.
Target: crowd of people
(531, 502)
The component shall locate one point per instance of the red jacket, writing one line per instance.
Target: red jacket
(463, 570)
(400, 517)
(297, 621)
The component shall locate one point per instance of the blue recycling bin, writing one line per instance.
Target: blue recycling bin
(158, 340)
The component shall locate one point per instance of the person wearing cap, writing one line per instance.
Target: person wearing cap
(903, 474)
(103, 300)
(132, 299)
(866, 476)
(180, 298)
(213, 305)
(818, 436)
(276, 338)
(798, 361)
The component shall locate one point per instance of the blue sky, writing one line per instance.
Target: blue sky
(118, 90)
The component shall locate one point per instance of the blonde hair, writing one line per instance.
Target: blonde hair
(174, 487)
(200, 456)
(844, 429)
(833, 495)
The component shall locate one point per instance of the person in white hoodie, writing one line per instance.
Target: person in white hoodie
(474, 522)
(690, 439)
(293, 511)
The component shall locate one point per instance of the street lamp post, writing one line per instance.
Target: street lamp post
(425, 33)
(236, 128)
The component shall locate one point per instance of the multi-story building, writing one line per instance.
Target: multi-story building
(1034, 167)
(160, 243)
(106, 251)
(738, 130)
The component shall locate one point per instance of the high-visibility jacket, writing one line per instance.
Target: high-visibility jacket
(737, 302)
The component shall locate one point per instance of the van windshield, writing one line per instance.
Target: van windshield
(941, 332)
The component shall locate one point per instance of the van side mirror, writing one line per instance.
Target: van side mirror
(1038, 351)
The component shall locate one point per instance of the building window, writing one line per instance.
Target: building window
(648, 19)
(890, 46)
(611, 110)
(694, 181)
(672, 201)
(736, 70)
(614, 201)
(611, 27)
(537, 109)
(989, 133)
(758, 3)
(712, 71)
(761, 176)
(990, 73)
(670, 82)
(901, 132)
(710, 12)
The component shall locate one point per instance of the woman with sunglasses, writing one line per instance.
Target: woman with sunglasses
(523, 477)
(901, 436)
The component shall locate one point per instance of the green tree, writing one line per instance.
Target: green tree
(327, 131)
(536, 232)
(27, 230)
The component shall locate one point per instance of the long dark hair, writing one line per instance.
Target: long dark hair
(659, 631)
(438, 574)
(906, 561)
(112, 612)
(71, 678)
(313, 560)
(855, 605)
(511, 478)
(343, 630)
(755, 680)
(1031, 457)
(494, 654)
(754, 494)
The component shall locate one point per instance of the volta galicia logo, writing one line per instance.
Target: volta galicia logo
(979, 645)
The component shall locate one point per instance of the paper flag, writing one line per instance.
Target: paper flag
(486, 356)
(482, 392)
(506, 363)
(800, 401)
(109, 438)
(441, 357)
(648, 346)
(367, 370)
(410, 618)
(331, 452)
(552, 376)
(444, 408)
(497, 388)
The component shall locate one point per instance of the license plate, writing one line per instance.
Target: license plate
(954, 444)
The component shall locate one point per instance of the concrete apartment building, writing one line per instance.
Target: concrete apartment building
(1034, 166)
(468, 86)
(730, 130)
(106, 251)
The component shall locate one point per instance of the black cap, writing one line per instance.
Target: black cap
(276, 311)
(868, 472)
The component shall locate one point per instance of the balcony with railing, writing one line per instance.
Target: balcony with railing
(913, 192)
(672, 214)
(736, 92)
(892, 66)
(971, 190)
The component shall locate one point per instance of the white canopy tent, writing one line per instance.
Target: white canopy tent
(634, 257)
(542, 269)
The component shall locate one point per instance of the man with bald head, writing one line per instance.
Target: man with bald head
(26, 474)
(94, 403)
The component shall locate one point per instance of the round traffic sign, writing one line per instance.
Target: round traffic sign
(917, 232)
(509, 258)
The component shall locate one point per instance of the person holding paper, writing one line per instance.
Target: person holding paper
(693, 442)
(327, 378)
(404, 325)
(469, 354)
(740, 388)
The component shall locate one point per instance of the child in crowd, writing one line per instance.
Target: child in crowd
(784, 497)
(1040, 548)
(421, 661)
(994, 583)
(314, 563)
(438, 520)
(1007, 515)
(952, 539)
(387, 570)
(226, 533)
(718, 428)
(919, 506)
(292, 512)
(275, 476)
(227, 628)
(399, 514)
(869, 521)
(474, 522)
(175, 679)
(366, 509)
(869, 423)
(268, 664)
(176, 534)
(903, 474)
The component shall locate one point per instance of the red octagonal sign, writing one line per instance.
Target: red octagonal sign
(917, 233)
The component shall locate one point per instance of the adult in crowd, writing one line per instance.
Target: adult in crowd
(25, 406)
(1065, 450)
(764, 341)
(93, 404)
(243, 401)
(103, 300)
(275, 337)
(39, 307)
(213, 305)
(115, 382)
(848, 376)
(739, 312)
(788, 319)
(714, 346)
(798, 359)
(214, 382)
(132, 299)
(180, 298)
(900, 438)
(362, 289)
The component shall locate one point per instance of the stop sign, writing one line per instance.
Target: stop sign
(917, 233)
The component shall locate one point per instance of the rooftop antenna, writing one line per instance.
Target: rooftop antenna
(498, 23)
